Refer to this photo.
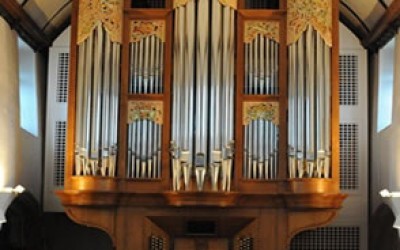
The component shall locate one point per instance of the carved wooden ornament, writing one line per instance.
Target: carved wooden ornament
(268, 111)
(144, 28)
(266, 28)
(145, 110)
(316, 13)
(100, 12)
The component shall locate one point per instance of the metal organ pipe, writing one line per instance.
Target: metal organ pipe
(201, 100)
(144, 136)
(261, 136)
(97, 104)
(310, 90)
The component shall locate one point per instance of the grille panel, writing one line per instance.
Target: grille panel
(246, 243)
(148, 4)
(262, 4)
(156, 243)
(349, 156)
(59, 153)
(329, 238)
(62, 77)
(348, 67)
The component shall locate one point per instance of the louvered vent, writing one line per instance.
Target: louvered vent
(349, 153)
(262, 4)
(62, 77)
(246, 243)
(348, 66)
(148, 4)
(59, 153)
(329, 238)
(156, 243)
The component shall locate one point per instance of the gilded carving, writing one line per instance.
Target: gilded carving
(180, 3)
(266, 28)
(317, 13)
(100, 12)
(145, 110)
(268, 111)
(144, 28)
(229, 3)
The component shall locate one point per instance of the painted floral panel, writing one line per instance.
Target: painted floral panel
(268, 111)
(108, 13)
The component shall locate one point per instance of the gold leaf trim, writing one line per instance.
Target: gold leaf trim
(146, 110)
(316, 13)
(180, 3)
(268, 111)
(108, 13)
(229, 3)
(267, 29)
(142, 29)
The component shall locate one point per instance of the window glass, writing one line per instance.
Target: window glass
(28, 89)
(385, 91)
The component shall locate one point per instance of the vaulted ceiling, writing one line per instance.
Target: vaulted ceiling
(52, 16)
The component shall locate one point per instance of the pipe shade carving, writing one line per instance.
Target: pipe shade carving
(142, 29)
(254, 28)
(145, 110)
(268, 111)
(108, 13)
(314, 13)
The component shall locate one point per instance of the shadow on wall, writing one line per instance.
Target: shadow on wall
(382, 233)
(28, 228)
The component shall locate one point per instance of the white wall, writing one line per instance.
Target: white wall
(355, 115)
(9, 106)
(385, 145)
(20, 151)
(33, 66)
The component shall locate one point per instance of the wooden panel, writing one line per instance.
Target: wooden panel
(264, 15)
(201, 243)
(335, 96)
(164, 182)
(73, 68)
(272, 228)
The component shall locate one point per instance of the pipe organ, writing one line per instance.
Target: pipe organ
(227, 105)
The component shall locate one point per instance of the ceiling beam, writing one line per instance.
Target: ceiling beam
(359, 33)
(385, 28)
(27, 29)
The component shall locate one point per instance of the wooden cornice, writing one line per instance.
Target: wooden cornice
(385, 28)
(20, 21)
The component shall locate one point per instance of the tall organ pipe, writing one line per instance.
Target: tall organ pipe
(97, 104)
(202, 119)
(145, 135)
(261, 136)
(309, 106)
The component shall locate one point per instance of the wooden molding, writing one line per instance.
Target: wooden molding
(385, 28)
(27, 29)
